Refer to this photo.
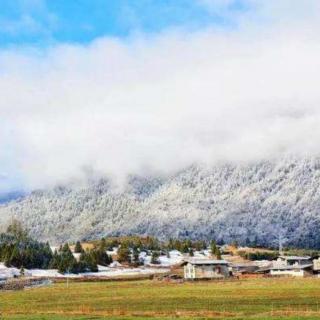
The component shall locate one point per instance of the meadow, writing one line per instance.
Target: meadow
(265, 298)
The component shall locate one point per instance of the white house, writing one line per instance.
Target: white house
(294, 266)
(292, 270)
(205, 269)
(292, 260)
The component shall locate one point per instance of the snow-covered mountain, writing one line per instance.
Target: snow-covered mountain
(256, 203)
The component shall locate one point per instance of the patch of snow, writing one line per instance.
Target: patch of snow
(175, 257)
(50, 273)
(7, 273)
(103, 272)
(77, 256)
(115, 264)
(125, 272)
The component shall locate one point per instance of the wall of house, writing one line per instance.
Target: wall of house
(189, 271)
(205, 271)
(316, 265)
(292, 273)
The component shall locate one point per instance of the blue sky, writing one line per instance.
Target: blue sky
(43, 22)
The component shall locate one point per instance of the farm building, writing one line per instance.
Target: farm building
(292, 270)
(244, 268)
(292, 260)
(205, 269)
(293, 266)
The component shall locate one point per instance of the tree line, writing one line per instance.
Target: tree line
(18, 249)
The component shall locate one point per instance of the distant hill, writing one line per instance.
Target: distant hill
(255, 204)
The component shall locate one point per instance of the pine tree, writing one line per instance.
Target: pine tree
(78, 248)
(135, 254)
(124, 253)
(103, 244)
(55, 261)
(218, 254)
(213, 247)
(185, 247)
(15, 259)
(67, 262)
(87, 262)
(155, 257)
(101, 257)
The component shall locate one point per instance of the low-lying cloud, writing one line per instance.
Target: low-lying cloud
(159, 103)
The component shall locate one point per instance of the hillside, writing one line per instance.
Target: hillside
(252, 203)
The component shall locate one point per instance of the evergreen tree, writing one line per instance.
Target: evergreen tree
(15, 259)
(101, 257)
(78, 248)
(185, 247)
(155, 257)
(103, 244)
(213, 247)
(55, 261)
(218, 254)
(124, 253)
(67, 262)
(87, 262)
(135, 255)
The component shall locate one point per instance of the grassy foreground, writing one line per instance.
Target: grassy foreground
(245, 299)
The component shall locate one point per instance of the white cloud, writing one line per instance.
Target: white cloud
(32, 17)
(161, 103)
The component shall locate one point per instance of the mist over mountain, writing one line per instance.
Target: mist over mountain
(257, 203)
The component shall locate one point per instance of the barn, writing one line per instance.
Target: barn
(206, 269)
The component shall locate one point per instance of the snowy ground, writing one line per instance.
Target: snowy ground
(103, 272)
(7, 273)
(114, 270)
(175, 257)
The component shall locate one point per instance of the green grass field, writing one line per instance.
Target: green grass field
(238, 299)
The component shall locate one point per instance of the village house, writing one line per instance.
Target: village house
(292, 260)
(206, 269)
(293, 266)
(292, 270)
(244, 268)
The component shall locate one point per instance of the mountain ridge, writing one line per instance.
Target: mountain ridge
(259, 203)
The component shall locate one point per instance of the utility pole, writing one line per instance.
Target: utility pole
(280, 245)
(281, 239)
(68, 272)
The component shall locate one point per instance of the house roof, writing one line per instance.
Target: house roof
(295, 258)
(205, 262)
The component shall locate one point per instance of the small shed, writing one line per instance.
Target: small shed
(205, 269)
